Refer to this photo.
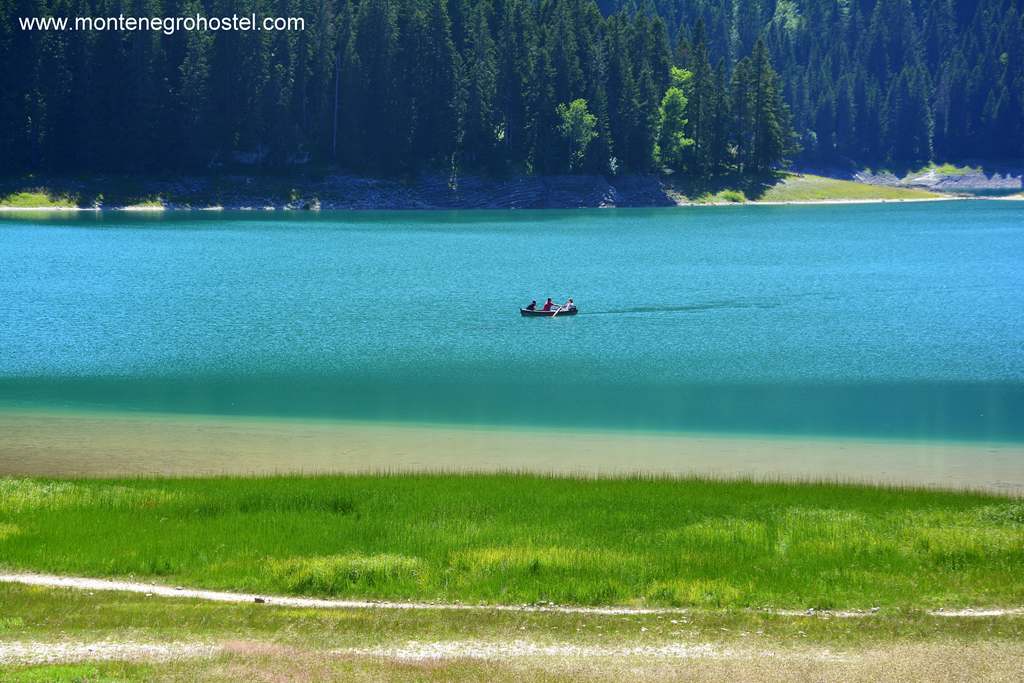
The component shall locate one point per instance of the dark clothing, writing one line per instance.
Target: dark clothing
(532, 306)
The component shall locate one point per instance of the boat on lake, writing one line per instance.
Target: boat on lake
(527, 313)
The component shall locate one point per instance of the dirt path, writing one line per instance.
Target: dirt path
(472, 649)
(523, 660)
(29, 653)
(84, 583)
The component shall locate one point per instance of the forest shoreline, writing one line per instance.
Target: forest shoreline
(438, 192)
(162, 209)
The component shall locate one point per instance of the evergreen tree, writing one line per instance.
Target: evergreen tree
(349, 146)
(194, 96)
(623, 95)
(718, 145)
(515, 66)
(437, 87)
(770, 122)
(547, 148)
(403, 86)
(909, 126)
(479, 139)
(702, 100)
(742, 112)
(376, 44)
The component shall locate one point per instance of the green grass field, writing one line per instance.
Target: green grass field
(36, 200)
(812, 188)
(785, 187)
(525, 539)
(58, 199)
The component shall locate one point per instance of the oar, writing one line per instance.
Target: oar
(557, 311)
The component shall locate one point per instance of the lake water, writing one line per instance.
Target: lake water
(880, 321)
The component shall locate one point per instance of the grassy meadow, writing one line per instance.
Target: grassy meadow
(71, 198)
(995, 662)
(262, 643)
(785, 187)
(812, 188)
(526, 538)
(36, 199)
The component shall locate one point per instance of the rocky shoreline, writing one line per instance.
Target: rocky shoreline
(981, 180)
(349, 192)
(971, 182)
(339, 191)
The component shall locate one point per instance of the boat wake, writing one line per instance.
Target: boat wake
(688, 308)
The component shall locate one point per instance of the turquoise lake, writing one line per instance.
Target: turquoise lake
(888, 321)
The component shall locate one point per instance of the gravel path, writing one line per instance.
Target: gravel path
(472, 649)
(29, 653)
(83, 583)
(34, 653)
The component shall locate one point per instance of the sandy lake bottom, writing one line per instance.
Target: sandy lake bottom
(55, 443)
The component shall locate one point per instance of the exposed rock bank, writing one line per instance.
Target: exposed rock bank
(438, 192)
(340, 191)
(982, 180)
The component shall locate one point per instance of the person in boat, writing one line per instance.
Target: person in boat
(532, 306)
(569, 305)
(548, 305)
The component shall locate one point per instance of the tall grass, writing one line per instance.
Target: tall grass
(526, 538)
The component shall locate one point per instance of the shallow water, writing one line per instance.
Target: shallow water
(55, 443)
(893, 321)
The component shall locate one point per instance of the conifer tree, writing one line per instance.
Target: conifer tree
(769, 117)
(193, 97)
(404, 86)
(718, 145)
(479, 137)
(702, 103)
(438, 85)
(515, 65)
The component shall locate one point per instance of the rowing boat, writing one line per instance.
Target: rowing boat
(527, 313)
